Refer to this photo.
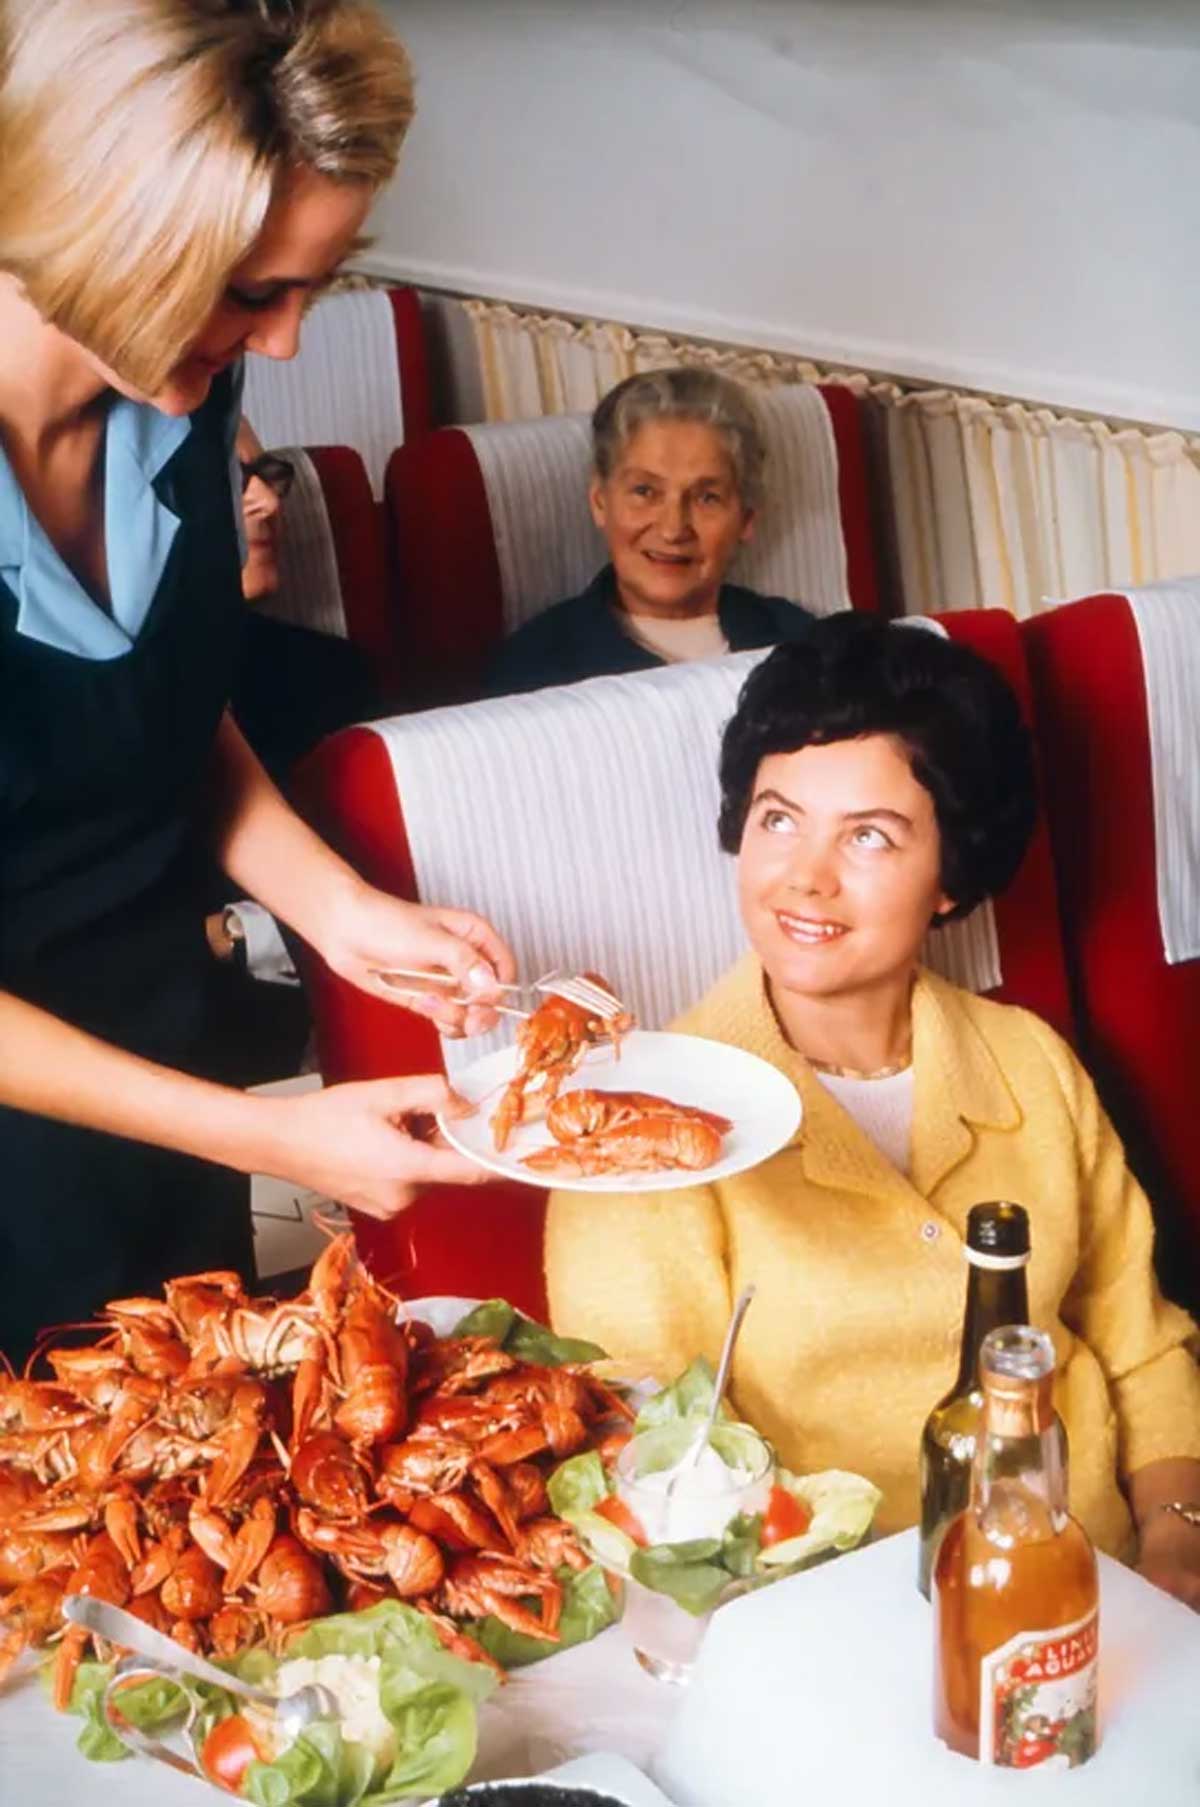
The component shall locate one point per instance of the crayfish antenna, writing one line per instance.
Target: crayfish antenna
(47, 1335)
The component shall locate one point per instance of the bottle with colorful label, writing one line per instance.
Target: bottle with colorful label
(1015, 1593)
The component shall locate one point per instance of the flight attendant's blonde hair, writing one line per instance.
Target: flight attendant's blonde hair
(141, 140)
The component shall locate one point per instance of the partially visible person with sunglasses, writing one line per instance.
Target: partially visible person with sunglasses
(266, 484)
(293, 686)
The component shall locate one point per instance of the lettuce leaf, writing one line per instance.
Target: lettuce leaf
(319, 1770)
(428, 1695)
(842, 1507)
(435, 1734)
(154, 1702)
(688, 1397)
(524, 1338)
(690, 1573)
(588, 1607)
(97, 1741)
(741, 1544)
(578, 1484)
(606, 1542)
(663, 1445)
(404, 1641)
(436, 1738)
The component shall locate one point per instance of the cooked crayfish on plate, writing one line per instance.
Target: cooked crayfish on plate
(228, 1468)
(550, 1045)
(598, 1132)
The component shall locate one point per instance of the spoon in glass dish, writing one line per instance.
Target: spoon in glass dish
(293, 1711)
(699, 1443)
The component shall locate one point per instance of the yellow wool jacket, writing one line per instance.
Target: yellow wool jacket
(860, 1270)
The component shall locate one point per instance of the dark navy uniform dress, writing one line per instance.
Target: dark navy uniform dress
(107, 723)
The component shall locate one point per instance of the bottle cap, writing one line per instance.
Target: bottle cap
(999, 1232)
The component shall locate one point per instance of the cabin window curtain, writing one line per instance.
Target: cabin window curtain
(990, 505)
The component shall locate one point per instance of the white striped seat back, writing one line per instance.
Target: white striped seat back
(310, 590)
(341, 388)
(582, 822)
(1167, 618)
(535, 474)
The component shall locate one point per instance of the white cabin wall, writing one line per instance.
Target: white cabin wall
(994, 194)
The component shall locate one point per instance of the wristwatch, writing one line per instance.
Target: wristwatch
(226, 935)
(1185, 1509)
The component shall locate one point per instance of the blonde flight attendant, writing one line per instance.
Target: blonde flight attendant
(177, 177)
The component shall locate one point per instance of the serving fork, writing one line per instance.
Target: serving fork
(574, 987)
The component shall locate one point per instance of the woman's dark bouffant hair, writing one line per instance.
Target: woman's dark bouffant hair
(959, 720)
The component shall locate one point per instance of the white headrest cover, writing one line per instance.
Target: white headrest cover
(1167, 617)
(582, 823)
(536, 473)
(310, 591)
(341, 388)
(798, 549)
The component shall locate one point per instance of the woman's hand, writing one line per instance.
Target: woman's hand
(367, 1145)
(371, 931)
(1169, 1556)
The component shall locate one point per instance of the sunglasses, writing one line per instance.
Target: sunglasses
(277, 473)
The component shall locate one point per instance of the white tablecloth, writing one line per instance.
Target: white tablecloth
(820, 1689)
(818, 1686)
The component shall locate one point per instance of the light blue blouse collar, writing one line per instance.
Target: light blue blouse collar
(52, 605)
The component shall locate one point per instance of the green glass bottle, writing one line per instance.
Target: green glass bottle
(997, 1251)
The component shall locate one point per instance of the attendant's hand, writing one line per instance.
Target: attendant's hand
(367, 1145)
(1169, 1556)
(373, 931)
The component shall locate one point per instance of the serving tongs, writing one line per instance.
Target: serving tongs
(157, 1656)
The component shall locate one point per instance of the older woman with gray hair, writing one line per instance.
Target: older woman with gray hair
(675, 489)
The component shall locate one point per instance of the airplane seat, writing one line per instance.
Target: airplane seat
(498, 806)
(489, 525)
(332, 576)
(1116, 685)
(361, 378)
(1027, 915)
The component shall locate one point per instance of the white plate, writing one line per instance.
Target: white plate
(763, 1105)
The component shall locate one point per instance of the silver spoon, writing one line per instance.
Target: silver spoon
(699, 1443)
(294, 1711)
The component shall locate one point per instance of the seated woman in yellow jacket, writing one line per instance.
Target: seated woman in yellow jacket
(877, 779)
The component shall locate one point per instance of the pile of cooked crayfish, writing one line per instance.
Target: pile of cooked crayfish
(229, 1468)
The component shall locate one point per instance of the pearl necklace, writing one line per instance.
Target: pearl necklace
(836, 1072)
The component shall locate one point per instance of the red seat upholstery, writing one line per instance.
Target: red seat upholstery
(477, 1243)
(1028, 920)
(1139, 1017)
(444, 539)
(358, 549)
(487, 1241)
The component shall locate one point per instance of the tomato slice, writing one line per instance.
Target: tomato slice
(619, 1514)
(785, 1517)
(228, 1752)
